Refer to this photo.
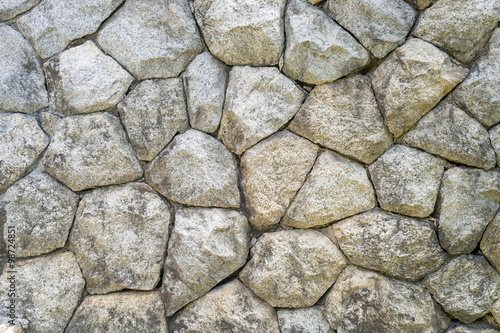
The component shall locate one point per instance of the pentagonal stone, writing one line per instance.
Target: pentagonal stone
(495, 141)
(476, 327)
(490, 243)
(11, 8)
(309, 320)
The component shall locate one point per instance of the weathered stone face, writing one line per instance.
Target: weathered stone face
(11, 8)
(303, 320)
(490, 243)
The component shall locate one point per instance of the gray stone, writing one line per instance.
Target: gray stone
(259, 101)
(490, 243)
(272, 172)
(495, 141)
(476, 327)
(152, 39)
(83, 79)
(420, 4)
(495, 311)
(343, 116)
(6, 327)
(411, 81)
(206, 246)
(292, 268)
(407, 180)
(49, 122)
(152, 114)
(309, 320)
(12, 8)
(196, 169)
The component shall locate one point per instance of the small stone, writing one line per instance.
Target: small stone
(272, 172)
(495, 141)
(49, 122)
(495, 311)
(259, 101)
(309, 320)
(12, 8)
(466, 287)
(411, 81)
(476, 327)
(152, 114)
(420, 4)
(152, 39)
(83, 79)
(490, 243)
(343, 116)
(292, 268)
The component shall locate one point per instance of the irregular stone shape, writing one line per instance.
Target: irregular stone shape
(476, 327)
(49, 122)
(420, 4)
(380, 25)
(119, 237)
(309, 320)
(205, 81)
(89, 151)
(152, 114)
(48, 290)
(336, 188)
(272, 172)
(11, 8)
(83, 79)
(247, 32)
(460, 27)
(495, 141)
(22, 83)
(365, 301)
(259, 101)
(469, 199)
(292, 268)
(318, 50)
(495, 311)
(206, 246)
(344, 116)
(196, 169)
(396, 245)
(490, 243)
(152, 39)
(466, 287)
(21, 142)
(449, 132)
(126, 312)
(411, 81)
(42, 211)
(407, 180)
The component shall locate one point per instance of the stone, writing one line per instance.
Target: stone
(420, 4)
(120, 236)
(411, 81)
(49, 122)
(22, 83)
(318, 50)
(335, 188)
(259, 101)
(380, 25)
(42, 211)
(12, 8)
(206, 246)
(89, 151)
(466, 287)
(495, 141)
(407, 180)
(21, 143)
(83, 79)
(490, 243)
(450, 133)
(247, 32)
(53, 24)
(125, 312)
(272, 172)
(152, 39)
(399, 246)
(469, 200)
(6, 327)
(205, 81)
(343, 116)
(309, 320)
(196, 169)
(152, 114)
(476, 327)
(495, 311)
(365, 301)
(292, 268)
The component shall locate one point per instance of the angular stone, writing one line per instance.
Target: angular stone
(83, 79)
(152, 114)
(495, 141)
(476, 327)
(411, 81)
(309, 320)
(407, 180)
(292, 268)
(344, 116)
(11, 8)
(206, 246)
(420, 4)
(152, 39)
(365, 301)
(336, 188)
(272, 172)
(42, 211)
(259, 101)
(196, 169)
(49, 122)
(490, 243)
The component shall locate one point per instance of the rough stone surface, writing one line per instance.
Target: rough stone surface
(490, 243)
(152, 39)
(476, 327)
(120, 236)
(495, 141)
(11, 8)
(292, 268)
(411, 81)
(420, 4)
(259, 101)
(272, 172)
(49, 122)
(344, 116)
(495, 311)
(196, 169)
(309, 320)
(206, 246)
